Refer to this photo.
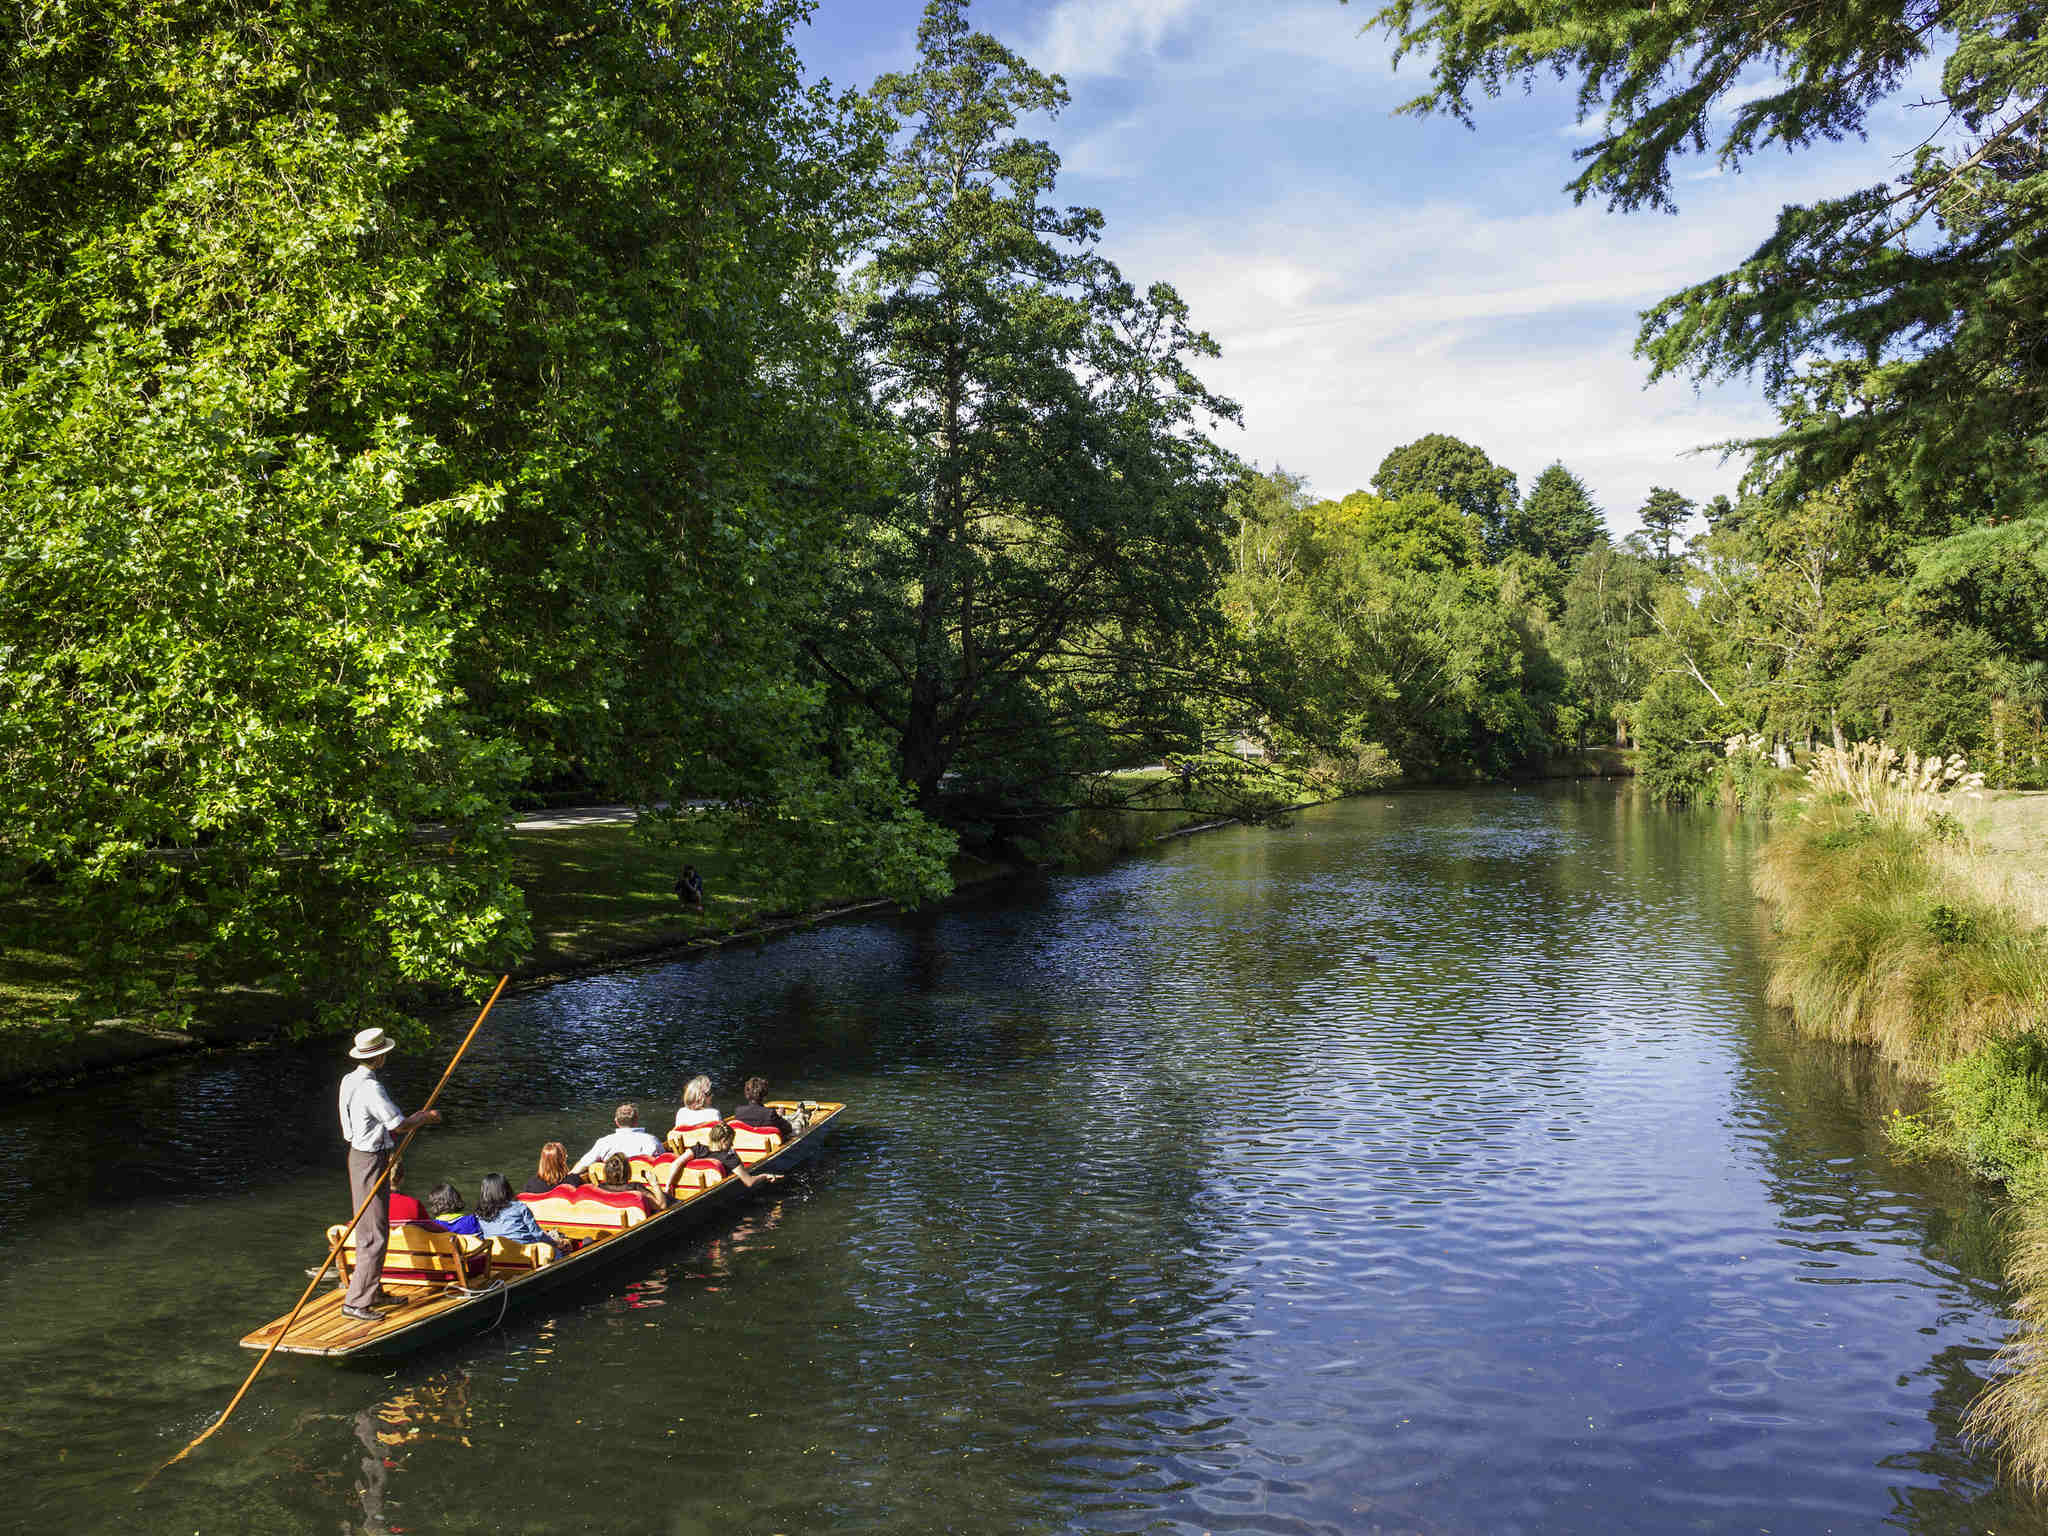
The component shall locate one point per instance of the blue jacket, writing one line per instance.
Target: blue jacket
(515, 1222)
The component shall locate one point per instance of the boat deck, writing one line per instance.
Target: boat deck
(323, 1330)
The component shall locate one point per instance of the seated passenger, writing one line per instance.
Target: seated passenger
(444, 1207)
(616, 1178)
(402, 1206)
(754, 1112)
(626, 1137)
(719, 1140)
(697, 1112)
(552, 1172)
(499, 1215)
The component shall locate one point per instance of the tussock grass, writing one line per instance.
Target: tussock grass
(1890, 934)
(1884, 940)
(2013, 1413)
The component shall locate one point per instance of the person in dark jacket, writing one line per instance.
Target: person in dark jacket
(754, 1112)
(717, 1149)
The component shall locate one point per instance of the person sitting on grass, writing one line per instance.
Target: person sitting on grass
(444, 1209)
(616, 1178)
(552, 1171)
(499, 1215)
(718, 1149)
(690, 888)
(626, 1137)
(753, 1112)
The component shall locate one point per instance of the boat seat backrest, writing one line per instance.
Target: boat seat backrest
(585, 1212)
(422, 1256)
(700, 1173)
(512, 1258)
(754, 1142)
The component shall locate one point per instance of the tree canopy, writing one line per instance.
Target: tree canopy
(1459, 474)
(391, 415)
(1031, 591)
(1899, 322)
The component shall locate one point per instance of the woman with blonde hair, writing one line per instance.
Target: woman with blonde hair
(697, 1113)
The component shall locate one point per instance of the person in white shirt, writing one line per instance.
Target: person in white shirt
(626, 1138)
(368, 1122)
(697, 1114)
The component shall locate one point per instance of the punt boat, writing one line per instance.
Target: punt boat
(443, 1285)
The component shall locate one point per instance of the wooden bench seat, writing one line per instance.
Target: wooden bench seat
(423, 1256)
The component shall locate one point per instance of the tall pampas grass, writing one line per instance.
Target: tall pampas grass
(1888, 785)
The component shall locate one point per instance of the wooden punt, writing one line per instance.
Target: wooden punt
(429, 1314)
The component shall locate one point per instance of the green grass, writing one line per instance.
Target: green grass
(593, 893)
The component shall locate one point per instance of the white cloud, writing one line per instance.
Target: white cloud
(1114, 151)
(1101, 37)
(1346, 333)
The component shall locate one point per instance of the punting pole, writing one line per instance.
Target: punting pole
(334, 1252)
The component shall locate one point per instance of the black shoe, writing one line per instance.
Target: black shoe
(363, 1314)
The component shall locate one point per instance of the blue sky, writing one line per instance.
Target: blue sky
(1370, 277)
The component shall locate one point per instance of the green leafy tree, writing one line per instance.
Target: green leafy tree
(1664, 517)
(1415, 530)
(392, 407)
(1679, 735)
(1923, 690)
(1903, 318)
(1031, 595)
(1993, 579)
(1608, 601)
(1460, 475)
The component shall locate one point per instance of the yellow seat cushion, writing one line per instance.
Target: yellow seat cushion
(510, 1257)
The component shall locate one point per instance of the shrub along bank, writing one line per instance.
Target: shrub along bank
(1892, 930)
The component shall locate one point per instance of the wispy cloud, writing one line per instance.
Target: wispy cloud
(1104, 37)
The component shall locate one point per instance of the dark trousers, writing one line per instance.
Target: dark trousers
(364, 1169)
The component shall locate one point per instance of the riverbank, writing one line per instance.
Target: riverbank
(1919, 932)
(599, 896)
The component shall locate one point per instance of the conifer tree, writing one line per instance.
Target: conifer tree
(1664, 517)
(1558, 521)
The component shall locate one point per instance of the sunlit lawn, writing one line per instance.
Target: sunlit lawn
(592, 892)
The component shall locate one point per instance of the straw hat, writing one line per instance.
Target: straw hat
(371, 1044)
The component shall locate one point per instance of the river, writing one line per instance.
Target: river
(1432, 1164)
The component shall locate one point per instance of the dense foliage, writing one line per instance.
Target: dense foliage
(1884, 571)
(1027, 600)
(396, 406)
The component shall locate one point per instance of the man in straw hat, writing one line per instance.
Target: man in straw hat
(368, 1122)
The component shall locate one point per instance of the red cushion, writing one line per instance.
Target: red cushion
(588, 1196)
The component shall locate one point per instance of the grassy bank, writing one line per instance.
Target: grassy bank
(1910, 930)
(596, 894)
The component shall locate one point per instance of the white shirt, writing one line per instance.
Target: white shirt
(688, 1119)
(368, 1117)
(628, 1139)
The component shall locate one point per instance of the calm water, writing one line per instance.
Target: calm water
(1430, 1165)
